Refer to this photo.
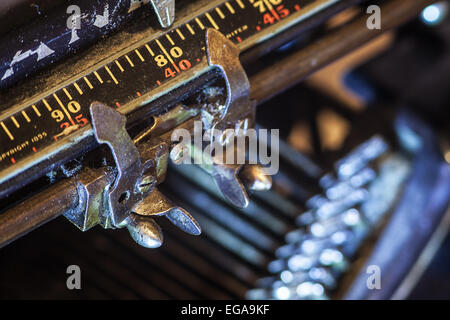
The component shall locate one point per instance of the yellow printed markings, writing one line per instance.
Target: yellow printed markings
(170, 39)
(98, 77)
(213, 23)
(47, 105)
(36, 110)
(78, 88)
(111, 75)
(67, 93)
(239, 2)
(188, 26)
(139, 55)
(230, 7)
(15, 122)
(220, 13)
(24, 114)
(149, 50)
(6, 131)
(200, 24)
(129, 61)
(63, 108)
(180, 34)
(168, 56)
(268, 4)
(88, 83)
(119, 66)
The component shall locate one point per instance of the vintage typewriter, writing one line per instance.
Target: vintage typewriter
(356, 93)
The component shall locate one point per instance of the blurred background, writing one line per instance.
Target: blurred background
(364, 180)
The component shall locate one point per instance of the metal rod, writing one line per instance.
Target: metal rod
(296, 67)
(289, 71)
(37, 210)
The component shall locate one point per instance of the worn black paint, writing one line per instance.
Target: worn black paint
(143, 78)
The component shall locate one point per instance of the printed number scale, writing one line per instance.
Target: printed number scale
(57, 121)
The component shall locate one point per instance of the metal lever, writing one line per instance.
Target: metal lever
(145, 231)
(224, 54)
(109, 128)
(165, 11)
(133, 199)
(254, 178)
(156, 204)
(238, 108)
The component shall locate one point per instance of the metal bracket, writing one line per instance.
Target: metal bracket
(165, 10)
(224, 55)
(109, 128)
(131, 199)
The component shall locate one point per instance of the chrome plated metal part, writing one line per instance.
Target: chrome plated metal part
(156, 204)
(144, 230)
(165, 11)
(109, 128)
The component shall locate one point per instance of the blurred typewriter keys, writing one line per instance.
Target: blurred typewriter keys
(265, 251)
(351, 181)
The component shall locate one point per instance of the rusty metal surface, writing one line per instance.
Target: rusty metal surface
(109, 128)
(39, 209)
(289, 71)
(165, 10)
